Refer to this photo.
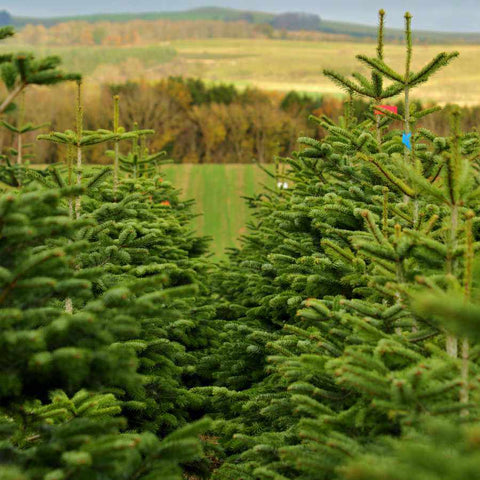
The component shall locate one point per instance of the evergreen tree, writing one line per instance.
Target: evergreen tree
(63, 374)
(323, 346)
(13, 173)
(438, 448)
(20, 70)
(117, 333)
(371, 217)
(17, 72)
(138, 162)
(141, 235)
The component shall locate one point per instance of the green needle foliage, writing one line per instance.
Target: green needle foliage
(439, 450)
(320, 303)
(19, 131)
(79, 139)
(97, 390)
(63, 374)
(20, 70)
(17, 72)
(117, 332)
(139, 162)
(376, 89)
(12, 173)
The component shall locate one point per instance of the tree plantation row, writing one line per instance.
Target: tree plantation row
(340, 341)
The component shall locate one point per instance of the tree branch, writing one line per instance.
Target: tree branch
(11, 96)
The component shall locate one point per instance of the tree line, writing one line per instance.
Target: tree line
(138, 32)
(198, 122)
(194, 122)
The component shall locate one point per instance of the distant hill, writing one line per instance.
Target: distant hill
(287, 21)
(204, 13)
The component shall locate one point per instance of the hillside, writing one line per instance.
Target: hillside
(268, 64)
(288, 21)
(207, 13)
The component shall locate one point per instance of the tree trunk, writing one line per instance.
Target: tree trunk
(78, 199)
(11, 96)
(19, 149)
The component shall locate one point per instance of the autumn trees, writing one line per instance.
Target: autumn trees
(194, 123)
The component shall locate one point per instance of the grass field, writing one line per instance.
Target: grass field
(294, 65)
(217, 190)
(269, 64)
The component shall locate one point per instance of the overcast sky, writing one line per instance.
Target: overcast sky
(445, 15)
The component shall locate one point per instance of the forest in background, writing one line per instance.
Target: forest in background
(166, 68)
(140, 32)
(197, 122)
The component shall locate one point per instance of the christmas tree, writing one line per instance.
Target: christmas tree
(323, 288)
(116, 334)
(20, 70)
(339, 340)
(64, 375)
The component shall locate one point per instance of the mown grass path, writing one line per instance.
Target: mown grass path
(218, 190)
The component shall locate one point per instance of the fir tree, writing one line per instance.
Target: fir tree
(437, 448)
(13, 173)
(369, 220)
(63, 374)
(20, 130)
(20, 70)
(141, 232)
(118, 333)
(139, 162)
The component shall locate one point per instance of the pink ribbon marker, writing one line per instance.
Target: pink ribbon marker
(390, 108)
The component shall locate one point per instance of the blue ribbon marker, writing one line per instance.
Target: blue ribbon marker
(406, 140)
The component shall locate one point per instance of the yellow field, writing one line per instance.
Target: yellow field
(288, 65)
(269, 64)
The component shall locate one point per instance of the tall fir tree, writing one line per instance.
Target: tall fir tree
(121, 332)
(21, 70)
(63, 374)
(374, 213)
